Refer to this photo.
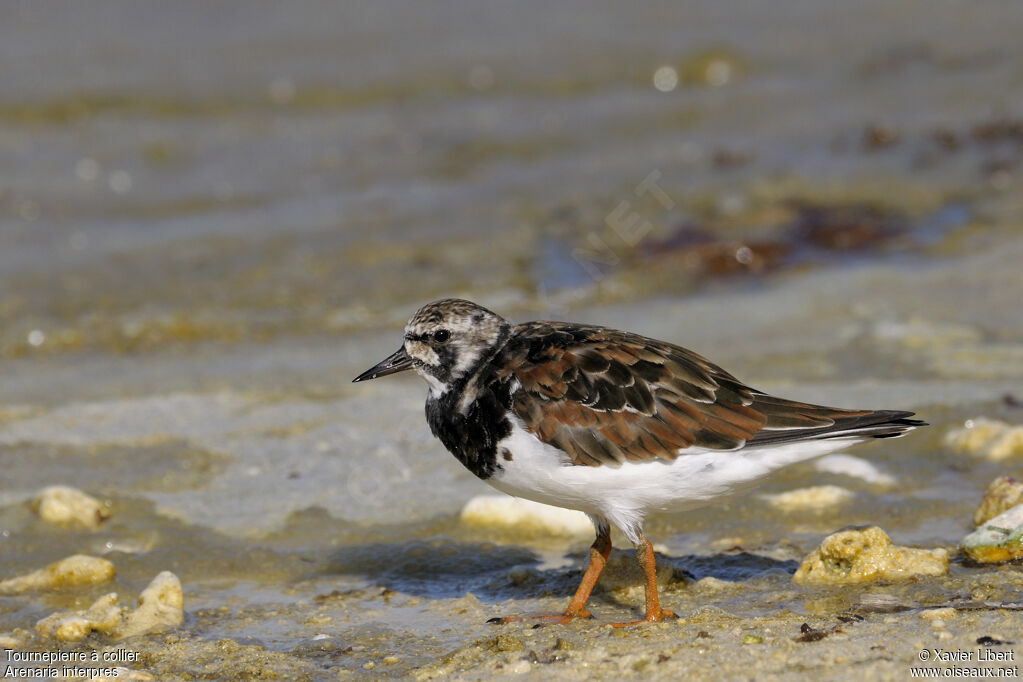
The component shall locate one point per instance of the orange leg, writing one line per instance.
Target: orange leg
(654, 612)
(599, 551)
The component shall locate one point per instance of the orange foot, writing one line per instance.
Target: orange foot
(657, 617)
(542, 618)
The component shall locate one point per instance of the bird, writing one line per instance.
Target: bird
(608, 422)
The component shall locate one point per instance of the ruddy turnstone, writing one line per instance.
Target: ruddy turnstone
(611, 423)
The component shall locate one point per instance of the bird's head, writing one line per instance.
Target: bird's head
(444, 341)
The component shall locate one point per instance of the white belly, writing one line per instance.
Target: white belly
(625, 494)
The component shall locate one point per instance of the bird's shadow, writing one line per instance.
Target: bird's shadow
(441, 567)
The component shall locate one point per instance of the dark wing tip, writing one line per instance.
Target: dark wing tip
(894, 427)
(893, 418)
(877, 424)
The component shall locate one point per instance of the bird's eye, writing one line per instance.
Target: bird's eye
(441, 335)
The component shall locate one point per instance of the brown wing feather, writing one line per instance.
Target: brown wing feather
(606, 397)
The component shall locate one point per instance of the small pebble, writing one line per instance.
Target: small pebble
(65, 506)
(945, 613)
(507, 643)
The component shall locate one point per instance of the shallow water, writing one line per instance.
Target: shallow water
(212, 219)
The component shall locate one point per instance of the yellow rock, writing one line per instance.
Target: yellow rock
(69, 507)
(13, 640)
(865, 555)
(73, 626)
(989, 438)
(73, 571)
(1003, 494)
(998, 539)
(1009, 444)
(513, 513)
(160, 606)
(813, 497)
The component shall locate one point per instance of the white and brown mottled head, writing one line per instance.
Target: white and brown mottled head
(444, 342)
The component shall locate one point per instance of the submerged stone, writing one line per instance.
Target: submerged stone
(1003, 494)
(865, 555)
(622, 571)
(999, 539)
(74, 571)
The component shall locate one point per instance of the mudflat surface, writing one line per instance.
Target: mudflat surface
(211, 220)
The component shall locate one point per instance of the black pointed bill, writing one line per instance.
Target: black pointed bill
(398, 361)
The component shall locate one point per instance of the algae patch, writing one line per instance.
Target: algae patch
(999, 539)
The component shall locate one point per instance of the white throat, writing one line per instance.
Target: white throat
(437, 387)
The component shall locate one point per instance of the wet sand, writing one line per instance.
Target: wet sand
(840, 223)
